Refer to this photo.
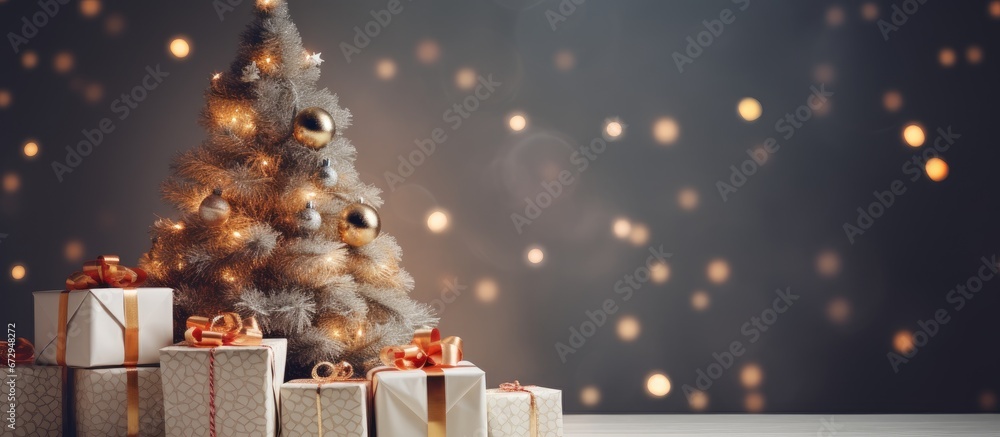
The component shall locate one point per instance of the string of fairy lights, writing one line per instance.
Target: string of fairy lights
(665, 131)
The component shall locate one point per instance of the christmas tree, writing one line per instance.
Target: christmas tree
(277, 224)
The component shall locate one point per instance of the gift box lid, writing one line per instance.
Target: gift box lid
(401, 384)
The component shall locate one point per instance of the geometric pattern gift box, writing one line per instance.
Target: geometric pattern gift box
(38, 405)
(334, 405)
(524, 411)
(220, 388)
(101, 402)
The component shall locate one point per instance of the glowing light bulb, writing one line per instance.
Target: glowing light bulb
(30, 149)
(178, 226)
(892, 100)
(913, 134)
(517, 122)
(614, 129)
(903, 342)
(754, 402)
(74, 250)
(216, 76)
(658, 385)
(90, 8)
(947, 57)
(750, 109)
(698, 400)
(428, 51)
(700, 300)
(590, 396)
(835, 16)
(487, 290)
(628, 328)
(974, 54)
(718, 271)
(838, 310)
(18, 272)
(11, 182)
(621, 228)
(437, 221)
(237, 234)
(687, 198)
(751, 375)
(465, 78)
(535, 255)
(180, 48)
(659, 272)
(385, 69)
(666, 130)
(828, 263)
(869, 11)
(936, 169)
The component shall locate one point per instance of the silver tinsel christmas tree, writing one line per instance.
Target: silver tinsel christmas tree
(277, 224)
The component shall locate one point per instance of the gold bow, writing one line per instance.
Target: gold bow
(226, 329)
(105, 272)
(23, 350)
(341, 371)
(426, 350)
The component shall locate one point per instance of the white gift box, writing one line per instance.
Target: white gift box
(400, 398)
(342, 410)
(95, 320)
(101, 402)
(38, 401)
(247, 384)
(510, 412)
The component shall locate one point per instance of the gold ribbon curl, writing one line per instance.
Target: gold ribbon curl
(226, 329)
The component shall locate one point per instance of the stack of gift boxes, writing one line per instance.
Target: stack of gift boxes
(106, 365)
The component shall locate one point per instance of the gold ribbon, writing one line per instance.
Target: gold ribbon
(517, 387)
(21, 352)
(105, 272)
(340, 372)
(429, 353)
(226, 329)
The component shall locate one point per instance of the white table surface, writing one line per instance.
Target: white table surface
(783, 425)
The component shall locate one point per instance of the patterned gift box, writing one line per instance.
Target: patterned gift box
(101, 402)
(38, 401)
(246, 381)
(324, 409)
(509, 411)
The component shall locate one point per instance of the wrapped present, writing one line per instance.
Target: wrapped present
(102, 406)
(426, 390)
(37, 390)
(333, 405)
(514, 410)
(223, 380)
(83, 325)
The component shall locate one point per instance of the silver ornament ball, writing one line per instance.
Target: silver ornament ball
(309, 219)
(214, 210)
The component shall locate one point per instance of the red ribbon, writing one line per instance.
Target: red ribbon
(21, 352)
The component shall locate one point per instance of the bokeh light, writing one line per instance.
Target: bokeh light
(947, 57)
(751, 376)
(613, 129)
(621, 227)
(828, 263)
(658, 385)
(994, 9)
(564, 60)
(974, 54)
(718, 271)
(29, 59)
(628, 328)
(987, 400)
(90, 8)
(385, 69)
(659, 272)
(74, 250)
(18, 272)
(180, 48)
(754, 402)
(838, 310)
(687, 199)
(913, 135)
(823, 73)
(31, 149)
(700, 300)
(465, 78)
(590, 396)
(749, 108)
(698, 400)
(487, 290)
(437, 221)
(93, 92)
(5, 99)
(892, 100)
(535, 255)
(639, 234)
(903, 342)
(428, 51)
(666, 130)
(936, 169)
(114, 25)
(517, 122)
(869, 11)
(63, 62)
(11, 182)
(835, 16)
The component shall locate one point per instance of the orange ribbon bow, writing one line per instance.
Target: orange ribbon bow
(105, 272)
(21, 352)
(341, 371)
(426, 350)
(226, 329)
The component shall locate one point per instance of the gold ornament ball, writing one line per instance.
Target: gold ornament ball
(214, 210)
(314, 127)
(359, 224)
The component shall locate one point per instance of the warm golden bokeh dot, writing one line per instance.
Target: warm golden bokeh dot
(751, 376)
(487, 290)
(687, 199)
(614, 129)
(913, 135)
(947, 57)
(639, 234)
(658, 385)
(465, 78)
(428, 51)
(385, 69)
(666, 131)
(114, 25)
(74, 250)
(823, 73)
(835, 16)
(987, 401)
(717, 271)
(659, 272)
(621, 228)
(995, 9)
(754, 403)
(892, 100)
(5, 99)
(90, 8)
(535, 255)
(869, 11)
(564, 60)
(63, 62)
(590, 396)
(437, 221)
(828, 263)
(700, 300)
(11, 182)
(30, 149)
(517, 122)
(29, 59)
(974, 55)
(936, 169)
(93, 92)
(180, 48)
(903, 342)
(838, 310)
(628, 328)
(749, 108)
(18, 272)
(698, 400)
